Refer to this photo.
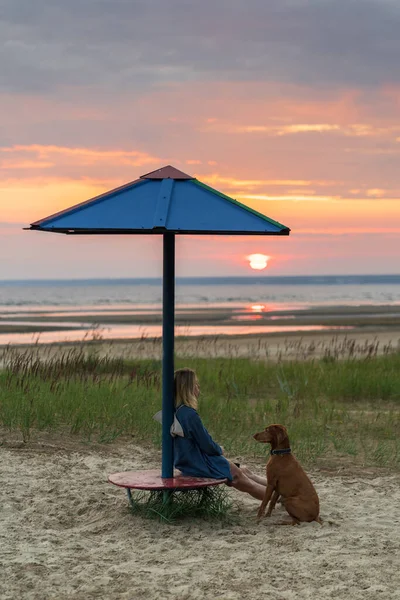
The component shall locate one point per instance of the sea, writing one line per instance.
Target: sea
(29, 303)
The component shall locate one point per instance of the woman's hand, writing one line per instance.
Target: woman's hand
(223, 449)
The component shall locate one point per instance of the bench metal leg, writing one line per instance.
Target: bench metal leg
(130, 498)
(167, 497)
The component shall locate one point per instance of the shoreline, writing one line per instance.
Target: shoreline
(74, 326)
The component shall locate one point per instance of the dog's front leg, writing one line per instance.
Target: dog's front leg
(271, 506)
(269, 490)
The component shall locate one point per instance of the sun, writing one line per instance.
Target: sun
(258, 261)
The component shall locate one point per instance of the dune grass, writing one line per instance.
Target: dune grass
(332, 407)
(211, 503)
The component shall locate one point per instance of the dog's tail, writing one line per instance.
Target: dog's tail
(319, 520)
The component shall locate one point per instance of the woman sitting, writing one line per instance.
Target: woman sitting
(195, 453)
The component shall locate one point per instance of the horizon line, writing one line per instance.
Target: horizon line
(215, 278)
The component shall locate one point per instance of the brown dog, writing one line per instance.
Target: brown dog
(287, 478)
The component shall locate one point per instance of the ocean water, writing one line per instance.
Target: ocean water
(229, 291)
(62, 300)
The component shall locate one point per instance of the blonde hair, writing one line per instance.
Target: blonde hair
(184, 388)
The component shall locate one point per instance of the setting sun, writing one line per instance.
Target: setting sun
(258, 261)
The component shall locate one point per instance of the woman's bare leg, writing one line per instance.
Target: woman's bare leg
(244, 484)
(254, 477)
(260, 480)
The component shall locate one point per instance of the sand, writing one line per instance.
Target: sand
(66, 533)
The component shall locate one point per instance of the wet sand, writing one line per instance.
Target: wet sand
(234, 331)
(256, 315)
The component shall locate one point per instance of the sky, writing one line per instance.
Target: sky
(291, 107)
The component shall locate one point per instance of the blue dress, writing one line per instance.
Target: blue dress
(197, 454)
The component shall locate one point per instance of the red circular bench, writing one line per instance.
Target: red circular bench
(152, 481)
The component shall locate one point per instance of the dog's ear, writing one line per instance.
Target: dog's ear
(281, 434)
(272, 432)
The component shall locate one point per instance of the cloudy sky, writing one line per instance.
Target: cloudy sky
(292, 107)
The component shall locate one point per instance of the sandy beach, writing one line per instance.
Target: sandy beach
(67, 533)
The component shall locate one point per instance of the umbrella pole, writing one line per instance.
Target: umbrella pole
(167, 468)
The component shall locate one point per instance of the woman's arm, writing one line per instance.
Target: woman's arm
(201, 436)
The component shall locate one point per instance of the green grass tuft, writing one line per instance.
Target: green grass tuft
(208, 503)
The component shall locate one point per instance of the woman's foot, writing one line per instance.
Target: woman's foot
(241, 482)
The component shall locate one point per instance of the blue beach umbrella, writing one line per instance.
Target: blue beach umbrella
(165, 202)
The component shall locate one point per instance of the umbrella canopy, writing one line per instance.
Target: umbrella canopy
(165, 200)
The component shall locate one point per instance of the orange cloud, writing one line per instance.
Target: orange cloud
(29, 201)
(286, 129)
(293, 198)
(349, 130)
(46, 175)
(231, 182)
(25, 164)
(376, 193)
(341, 215)
(85, 155)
